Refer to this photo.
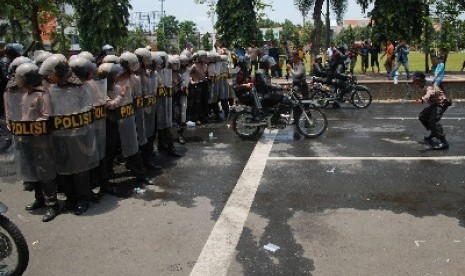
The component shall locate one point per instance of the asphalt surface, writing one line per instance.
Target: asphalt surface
(365, 198)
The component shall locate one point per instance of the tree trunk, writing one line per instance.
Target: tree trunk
(35, 23)
(318, 25)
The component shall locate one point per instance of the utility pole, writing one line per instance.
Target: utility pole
(328, 26)
(162, 16)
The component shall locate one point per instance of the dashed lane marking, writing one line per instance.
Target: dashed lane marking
(218, 251)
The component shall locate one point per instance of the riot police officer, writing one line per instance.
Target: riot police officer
(72, 129)
(12, 51)
(34, 154)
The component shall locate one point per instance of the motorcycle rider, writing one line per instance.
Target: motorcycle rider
(432, 114)
(75, 143)
(34, 154)
(265, 88)
(296, 68)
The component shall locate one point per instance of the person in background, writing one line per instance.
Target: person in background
(364, 52)
(401, 51)
(439, 71)
(274, 53)
(389, 53)
(374, 53)
(253, 53)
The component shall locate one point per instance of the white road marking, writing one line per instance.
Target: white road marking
(367, 158)
(218, 251)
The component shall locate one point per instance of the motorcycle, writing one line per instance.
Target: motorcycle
(358, 95)
(311, 123)
(14, 252)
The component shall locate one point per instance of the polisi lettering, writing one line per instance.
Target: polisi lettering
(27, 128)
(100, 112)
(126, 110)
(73, 120)
(139, 102)
(149, 101)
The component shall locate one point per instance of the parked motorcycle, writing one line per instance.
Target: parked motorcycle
(311, 123)
(358, 95)
(14, 252)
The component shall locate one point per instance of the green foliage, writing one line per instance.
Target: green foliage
(206, 42)
(136, 39)
(398, 20)
(237, 22)
(102, 22)
(187, 30)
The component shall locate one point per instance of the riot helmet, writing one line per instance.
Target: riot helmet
(17, 62)
(157, 61)
(108, 70)
(39, 59)
(27, 75)
(107, 49)
(129, 61)
(111, 59)
(87, 55)
(174, 62)
(55, 64)
(81, 67)
(144, 56)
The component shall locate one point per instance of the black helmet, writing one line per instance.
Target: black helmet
(13, 49)
(266, 60)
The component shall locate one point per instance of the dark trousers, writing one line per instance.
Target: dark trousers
(46, 191)
(133, 162)
(430, 117)
(76, 186)
(197, 105)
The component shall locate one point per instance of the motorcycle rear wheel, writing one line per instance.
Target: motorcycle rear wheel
(245, 132)
(312, 123)
(14, 253)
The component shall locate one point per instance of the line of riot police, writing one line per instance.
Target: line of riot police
(71, 117)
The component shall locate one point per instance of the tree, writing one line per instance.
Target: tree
(237, 21)
(136, 39)
(25, 13)
(187, 30)
(290, 32)
(167, 33)
(304, 6)
(102, 22)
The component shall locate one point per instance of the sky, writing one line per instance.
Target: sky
(187, 10)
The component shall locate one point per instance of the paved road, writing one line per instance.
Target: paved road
(363, 199)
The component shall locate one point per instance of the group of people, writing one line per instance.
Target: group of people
(71, 117)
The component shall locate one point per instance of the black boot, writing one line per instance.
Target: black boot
(442, 145)
(35, 205)
(181, 139)
(81, 208)
(52, 212)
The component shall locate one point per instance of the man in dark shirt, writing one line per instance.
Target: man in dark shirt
(273, 52)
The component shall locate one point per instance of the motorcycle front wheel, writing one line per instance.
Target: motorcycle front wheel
(361, 97)
(312, 123)
(14, 253)
(242, 130)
